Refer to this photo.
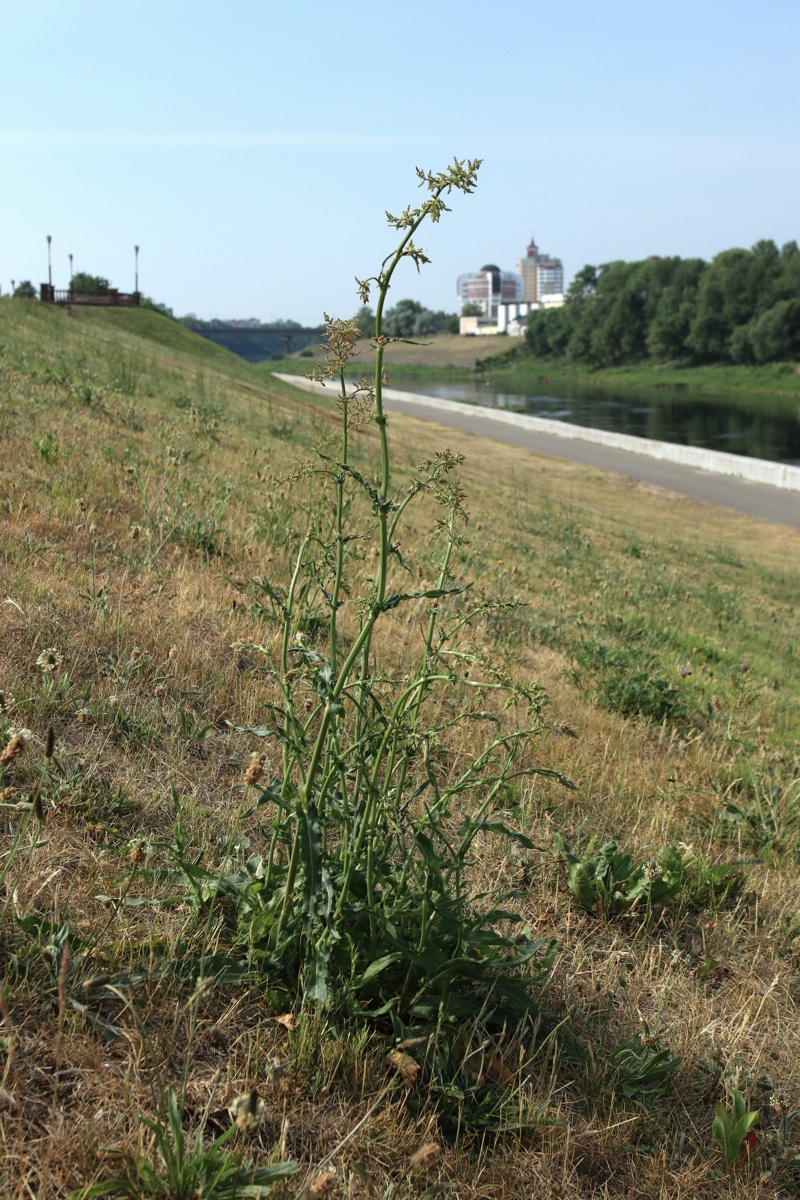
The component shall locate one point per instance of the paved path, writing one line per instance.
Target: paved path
(778, 505)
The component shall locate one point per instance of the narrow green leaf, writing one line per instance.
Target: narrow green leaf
(375, 968)
(507, 831)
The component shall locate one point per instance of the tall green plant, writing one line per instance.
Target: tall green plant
(365, 899)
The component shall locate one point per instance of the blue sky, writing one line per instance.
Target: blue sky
(250, 148)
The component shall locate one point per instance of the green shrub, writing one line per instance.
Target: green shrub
(628, 686)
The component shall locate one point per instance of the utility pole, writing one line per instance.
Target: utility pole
(136, 286)
(49, 263)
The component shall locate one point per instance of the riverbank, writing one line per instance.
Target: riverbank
(778, 379)
(448, 356)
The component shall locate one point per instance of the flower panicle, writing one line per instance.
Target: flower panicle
(16, 746)
(50, 660)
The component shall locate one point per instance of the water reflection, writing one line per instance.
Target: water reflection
(757, 426)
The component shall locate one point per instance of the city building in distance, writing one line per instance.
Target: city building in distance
(488, 289)
(541, 275)
(503, 299)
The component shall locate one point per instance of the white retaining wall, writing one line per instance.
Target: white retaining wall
(757, 470)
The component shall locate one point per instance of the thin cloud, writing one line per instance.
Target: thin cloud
(673, 151)
(88, 140)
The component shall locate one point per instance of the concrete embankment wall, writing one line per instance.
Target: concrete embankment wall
(757, 470)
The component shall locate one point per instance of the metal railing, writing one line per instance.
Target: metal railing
(111, 297)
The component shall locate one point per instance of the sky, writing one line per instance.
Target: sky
(251, 148)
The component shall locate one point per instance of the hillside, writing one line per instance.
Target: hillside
(153, 497)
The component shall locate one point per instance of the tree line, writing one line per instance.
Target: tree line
(192, 321)
(408, 319)
(742, 307)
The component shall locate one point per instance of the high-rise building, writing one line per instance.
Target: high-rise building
(541, 275)
(489, 288)
(527, 269)
(549, 277)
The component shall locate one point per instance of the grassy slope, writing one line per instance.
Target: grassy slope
(137, 498)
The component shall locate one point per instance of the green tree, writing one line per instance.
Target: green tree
(470, 309)
(401, 321)
(620, 334)
(409, 319)
(90, 285)
(584, 284)
(742, 307)
(735, 289)
(536, 334)
(25, 290)
(675, 311)
(365, 320)
(775, 335)
(548, 331)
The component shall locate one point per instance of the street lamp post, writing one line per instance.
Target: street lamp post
(49, 262)
(71, 273)
(136, 286)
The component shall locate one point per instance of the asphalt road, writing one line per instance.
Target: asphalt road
(779, 505)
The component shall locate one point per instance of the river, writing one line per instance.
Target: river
(757, 426)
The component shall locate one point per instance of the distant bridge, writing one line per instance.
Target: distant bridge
(260, 342)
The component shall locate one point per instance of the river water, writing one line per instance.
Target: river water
(756, 426)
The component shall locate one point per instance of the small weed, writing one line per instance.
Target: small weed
(96, 601)
(85, 389)
(82, 789)
(282, 430)
(724, 605)
(180, 1170)
(203, 533)
(763, 813)
(636, 1070)
(193, 731)
(127, 727)
(48, 447)
(627, 686)
(732, 1128)
(126, 373)
(611, 882)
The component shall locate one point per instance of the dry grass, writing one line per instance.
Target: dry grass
(137, 498)
(435, 350)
